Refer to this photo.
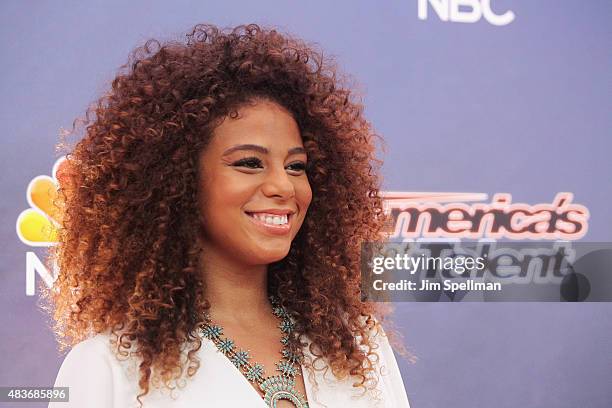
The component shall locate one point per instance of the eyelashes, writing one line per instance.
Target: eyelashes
(299, 166)
(256, 163)
(250, 162)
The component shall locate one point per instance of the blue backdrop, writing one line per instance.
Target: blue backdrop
(517, 108)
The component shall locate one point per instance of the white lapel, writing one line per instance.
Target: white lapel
(225, 384)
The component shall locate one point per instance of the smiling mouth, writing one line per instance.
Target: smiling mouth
(272, 220)
(271, 224)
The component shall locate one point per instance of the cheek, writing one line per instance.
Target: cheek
(225, 198)
(221, 207)
(303, 194)
(219, 199)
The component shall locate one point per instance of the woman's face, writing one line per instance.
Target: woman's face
(254, 192)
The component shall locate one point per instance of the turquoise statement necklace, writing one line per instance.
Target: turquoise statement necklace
(277, 387)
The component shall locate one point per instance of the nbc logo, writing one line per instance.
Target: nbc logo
(37, 225)
(464, 11)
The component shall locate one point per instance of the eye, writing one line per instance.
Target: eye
(297, 167)
(249, 162)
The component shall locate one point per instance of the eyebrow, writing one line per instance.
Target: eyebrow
(261, 149)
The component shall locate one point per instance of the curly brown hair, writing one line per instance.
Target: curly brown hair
(127, 251)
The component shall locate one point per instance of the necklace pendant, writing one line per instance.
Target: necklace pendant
(278, 388)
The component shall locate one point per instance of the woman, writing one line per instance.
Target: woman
(209, 250)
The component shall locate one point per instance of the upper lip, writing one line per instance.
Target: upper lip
(276, 211)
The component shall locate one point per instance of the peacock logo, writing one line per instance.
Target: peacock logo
(37, 226)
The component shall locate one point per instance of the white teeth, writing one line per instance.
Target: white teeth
(272, 219)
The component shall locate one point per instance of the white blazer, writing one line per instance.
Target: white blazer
(97, 379)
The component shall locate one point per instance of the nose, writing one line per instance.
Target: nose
(277, 183)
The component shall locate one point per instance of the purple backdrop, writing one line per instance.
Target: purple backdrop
(476, 107)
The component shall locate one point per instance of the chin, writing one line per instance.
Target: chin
(269, 255)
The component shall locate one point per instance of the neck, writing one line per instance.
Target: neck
(236, 292)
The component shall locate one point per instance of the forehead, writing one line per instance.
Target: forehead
(263, 122)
